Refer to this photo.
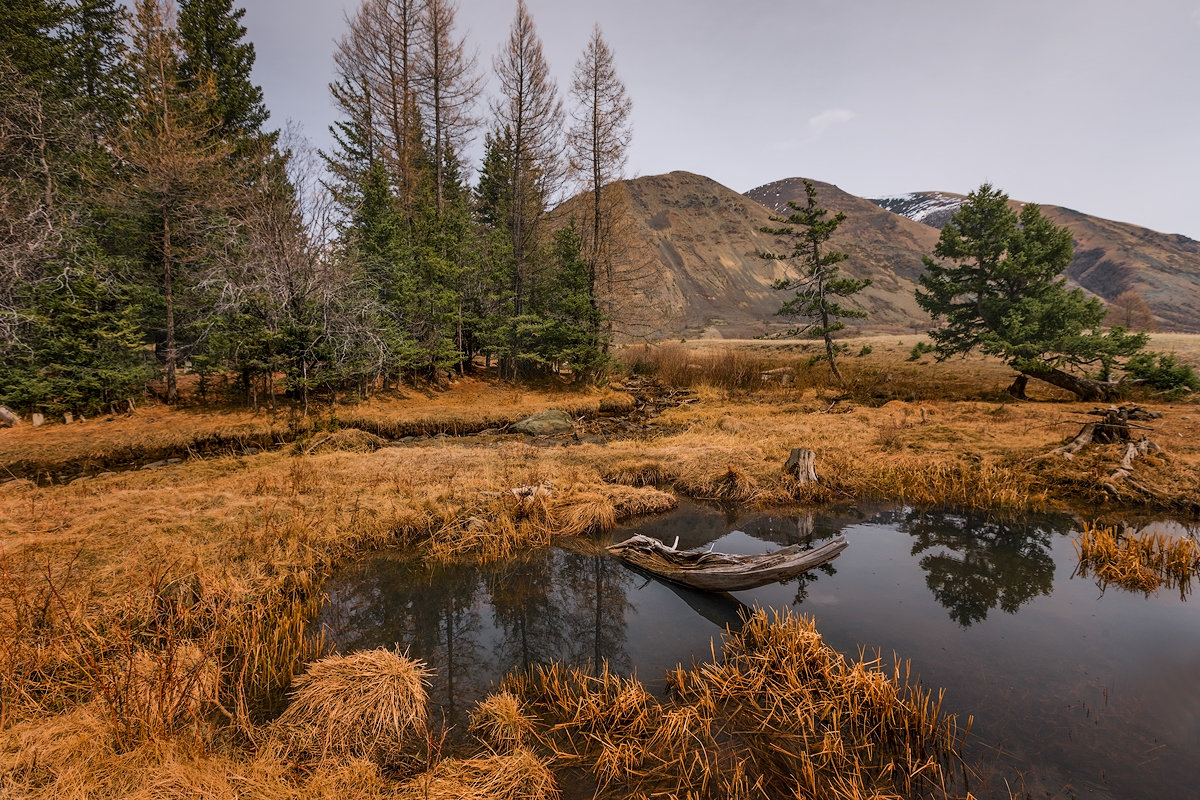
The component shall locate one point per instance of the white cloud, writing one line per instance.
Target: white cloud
(828, 118)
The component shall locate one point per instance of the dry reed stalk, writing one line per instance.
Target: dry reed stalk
(370, 704)
(499, 721)
(517, 775)
(1142, 562)
(778, 713)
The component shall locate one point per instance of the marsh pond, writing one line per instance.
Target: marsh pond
(1077, 690)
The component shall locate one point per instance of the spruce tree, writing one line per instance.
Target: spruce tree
(96, 62)
(175, 183)
(81, 346)
(30, 41)
(528, 120)
(214, 49)
(995, 282)
(819, 288)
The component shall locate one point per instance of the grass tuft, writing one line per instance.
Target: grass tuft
(1143, 562)
(517, 775)
(777, 714)
(370, 704)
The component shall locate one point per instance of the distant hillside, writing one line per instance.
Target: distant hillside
(1110, 257)
(694, 245)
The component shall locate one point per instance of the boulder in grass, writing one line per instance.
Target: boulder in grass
(545, 423)
(7, 418)
(371, 704)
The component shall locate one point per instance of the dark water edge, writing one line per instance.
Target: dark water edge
(1076, 691)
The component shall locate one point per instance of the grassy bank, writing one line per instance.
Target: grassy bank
(150, 618)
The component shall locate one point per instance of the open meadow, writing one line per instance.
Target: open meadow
(158, 570)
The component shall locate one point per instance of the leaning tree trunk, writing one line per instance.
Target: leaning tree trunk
(1088, 389)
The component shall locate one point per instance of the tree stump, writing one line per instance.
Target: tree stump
(802, 465)
(1114, 427)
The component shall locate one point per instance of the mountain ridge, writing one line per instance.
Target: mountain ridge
(689, 258)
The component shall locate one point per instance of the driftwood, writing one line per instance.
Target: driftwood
(723, 572)
(1124, 470)
(1114, 427)
(802, 465)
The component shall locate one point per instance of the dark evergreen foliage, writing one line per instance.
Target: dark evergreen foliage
(819, 288)
(152, 227)
(214, 48)
(996, 284)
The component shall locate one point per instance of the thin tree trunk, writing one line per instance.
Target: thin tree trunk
(169, 299)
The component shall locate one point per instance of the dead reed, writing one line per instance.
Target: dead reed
(499, 722)
(729, 368)
(515, 775)
(531, 516)
(370, 704)
(1142, 562)
(777, 713)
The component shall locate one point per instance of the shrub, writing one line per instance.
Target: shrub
(919, 349)
(1163, 372)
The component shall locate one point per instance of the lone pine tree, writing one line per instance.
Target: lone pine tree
(819, 288)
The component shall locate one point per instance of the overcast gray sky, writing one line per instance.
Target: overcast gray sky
(1090, 104)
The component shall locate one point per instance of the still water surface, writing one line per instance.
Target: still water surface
(1076, 691)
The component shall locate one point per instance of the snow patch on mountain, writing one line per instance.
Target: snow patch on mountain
(930, 208)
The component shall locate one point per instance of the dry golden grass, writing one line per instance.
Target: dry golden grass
(777, 714)
(344, 440)
(371, 704)
(498, 721)
(155, 432)
(1141, 562)
(516, 775)
(160, 583)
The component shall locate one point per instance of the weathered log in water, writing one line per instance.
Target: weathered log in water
(725, 572)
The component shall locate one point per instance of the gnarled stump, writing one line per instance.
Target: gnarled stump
(802, 465)
(1114, 427)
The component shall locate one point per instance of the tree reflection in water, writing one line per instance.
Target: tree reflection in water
(473, 625)
(975, 562)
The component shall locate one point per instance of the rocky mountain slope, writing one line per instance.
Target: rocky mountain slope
(692, 246)
(688, 263)
(1110, 257)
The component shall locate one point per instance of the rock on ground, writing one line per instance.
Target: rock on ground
(545, 423)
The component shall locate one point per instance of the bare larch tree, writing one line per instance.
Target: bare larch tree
(528, 116)
(450, 84)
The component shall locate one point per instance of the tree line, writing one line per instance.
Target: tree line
(152, 223)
